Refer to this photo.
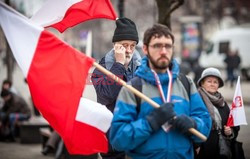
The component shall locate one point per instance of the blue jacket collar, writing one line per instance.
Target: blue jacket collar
(145, 72)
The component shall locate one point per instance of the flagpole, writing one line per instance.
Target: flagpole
(139, 94)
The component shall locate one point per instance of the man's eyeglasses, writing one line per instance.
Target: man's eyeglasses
(159, 46)
(131, 47)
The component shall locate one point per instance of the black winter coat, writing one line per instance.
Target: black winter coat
(107, 89)
(210, 149)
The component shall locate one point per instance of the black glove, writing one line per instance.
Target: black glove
(161, 115)
(183, 123)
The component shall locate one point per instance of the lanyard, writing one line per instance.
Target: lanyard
(159, 86)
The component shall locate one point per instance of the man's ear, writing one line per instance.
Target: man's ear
(145, 49)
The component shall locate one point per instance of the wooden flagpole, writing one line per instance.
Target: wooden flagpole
(139, 94)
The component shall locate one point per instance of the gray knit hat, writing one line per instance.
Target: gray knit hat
(211, 72)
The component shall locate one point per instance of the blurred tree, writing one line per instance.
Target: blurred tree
(9, 57)
(121, 8)
(165, 8)
(216, 10)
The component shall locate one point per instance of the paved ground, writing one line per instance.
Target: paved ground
(21, 151)
(244, 134)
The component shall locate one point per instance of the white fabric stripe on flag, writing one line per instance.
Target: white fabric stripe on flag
(239, 111)
(239, 116)
(22, 42)
(94, 114)
(51, 12)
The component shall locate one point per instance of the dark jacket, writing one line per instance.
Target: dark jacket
(16, 104)
(210, 148)
(106, 88)
(233, 61)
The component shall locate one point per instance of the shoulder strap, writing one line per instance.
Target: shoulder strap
(137, 84)
(185, 82)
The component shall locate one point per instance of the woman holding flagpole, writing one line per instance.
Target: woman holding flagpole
(208, 85)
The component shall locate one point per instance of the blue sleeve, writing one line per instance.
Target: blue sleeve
(106, 88)
(199, 112)
(127, 131)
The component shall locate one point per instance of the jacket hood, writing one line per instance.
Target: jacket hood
(145, 72)
(110, 59)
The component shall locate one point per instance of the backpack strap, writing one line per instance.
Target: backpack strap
(184, 80)
(137, 84)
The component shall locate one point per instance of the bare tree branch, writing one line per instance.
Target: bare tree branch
(174, 4)
(165, 8)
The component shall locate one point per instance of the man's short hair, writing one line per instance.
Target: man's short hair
(158, 30)
(6, 81)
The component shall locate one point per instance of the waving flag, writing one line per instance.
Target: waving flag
(237, 114)
(62, 14)
(56, 75)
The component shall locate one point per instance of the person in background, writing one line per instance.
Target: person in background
(35, 110)
(7, 84)
(232, 61)
(55, 145)
(209, 83)
(14, 109)
(138, 131)
(122, 61)
(52, 143)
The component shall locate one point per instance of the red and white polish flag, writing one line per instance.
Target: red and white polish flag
(62, 14)
(56, 75)
(237, 114)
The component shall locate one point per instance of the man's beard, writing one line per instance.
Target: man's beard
(128, 59)
(159, 65)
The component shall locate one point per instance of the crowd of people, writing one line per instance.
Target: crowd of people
(139, 130)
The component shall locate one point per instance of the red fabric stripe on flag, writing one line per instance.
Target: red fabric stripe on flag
(86, 10)
(56, 78)
(87, 139)
(56, 75)
(230, 120)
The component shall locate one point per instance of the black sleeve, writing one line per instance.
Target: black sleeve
(106, 88)
(236, 130)
(4, 108)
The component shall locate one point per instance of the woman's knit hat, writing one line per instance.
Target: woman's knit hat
(125, 30)
(211, 72)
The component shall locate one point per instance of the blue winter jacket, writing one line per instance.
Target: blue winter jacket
(131, 132)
